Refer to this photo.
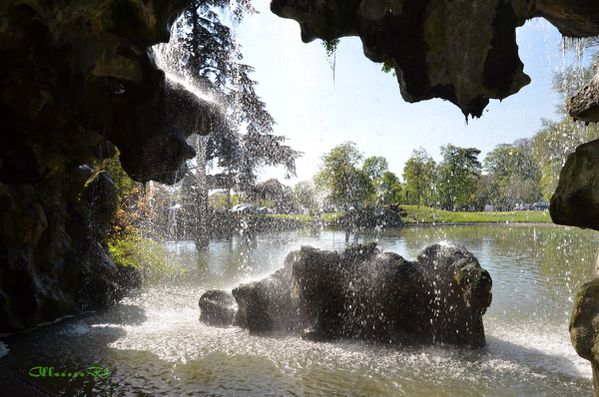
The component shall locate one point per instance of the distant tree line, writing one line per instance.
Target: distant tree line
(522, 172)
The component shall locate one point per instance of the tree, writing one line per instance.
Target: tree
(273, 193)
(343, 177)
(485, 192)
(304, 196)
(391, 189)
(204, 52)
(556, 139)
(458, 172)
(419, 178)
(375, 167)
(552, 144)
(514, 174)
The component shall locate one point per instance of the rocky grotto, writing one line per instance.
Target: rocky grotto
(77, 81)
(363, 293)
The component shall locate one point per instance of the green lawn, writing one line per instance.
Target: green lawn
(305, 218)
(416, 214)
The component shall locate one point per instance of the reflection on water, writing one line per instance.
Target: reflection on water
(154, 345)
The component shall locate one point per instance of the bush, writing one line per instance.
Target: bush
(148, 256)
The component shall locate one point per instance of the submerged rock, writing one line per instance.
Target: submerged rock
(363, 293)
(217, 308)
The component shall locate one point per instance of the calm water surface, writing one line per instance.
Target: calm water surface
(153, 343)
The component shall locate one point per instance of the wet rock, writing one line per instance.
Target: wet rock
(363, 293)
(463, 51)
(217, 307)
(101, 196)
(584, 326)
(458, 295)
(78, 85)
(267, 306)
(128, 278)
(584, 106)
(576, 199)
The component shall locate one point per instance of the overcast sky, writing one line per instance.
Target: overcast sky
(363, 104)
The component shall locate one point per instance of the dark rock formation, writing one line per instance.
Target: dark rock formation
(268, 305)
(364, 293)
(584, 330)
(52, 259)
(464, 51)
(584, 106)
(77, 82)
(576, 203)
(217, 308)
(576, 199)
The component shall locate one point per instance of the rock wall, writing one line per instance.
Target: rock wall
(576, 203)
(77, 83)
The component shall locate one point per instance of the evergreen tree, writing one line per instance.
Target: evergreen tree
(458, 172)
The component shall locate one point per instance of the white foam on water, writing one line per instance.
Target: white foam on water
(549, 351)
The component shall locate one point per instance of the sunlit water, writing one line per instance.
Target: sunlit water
(154, 345)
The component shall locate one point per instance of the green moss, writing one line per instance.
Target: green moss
(150, 257)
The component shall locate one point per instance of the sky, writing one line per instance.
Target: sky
(317, 110)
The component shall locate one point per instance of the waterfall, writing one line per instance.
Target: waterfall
(201, 197)
(187, 215)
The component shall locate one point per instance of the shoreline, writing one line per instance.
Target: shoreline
(266, 224)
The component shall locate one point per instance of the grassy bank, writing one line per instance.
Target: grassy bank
(420, 214)
(416, 214)
(305, 218)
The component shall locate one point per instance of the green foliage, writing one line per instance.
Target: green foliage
(343, 177)
(390, 188)
(420, 177)
(304, 196)
(556, 139)
(514, 176)
(330, 47)
(458, 173)
(552, 144)
(203, 49)
(131, 206)
(126, 186)
(419, 214)
(305, 218)
(148, 256)
(273, 193)
(375, 167)
(387, 68)
(218, 200)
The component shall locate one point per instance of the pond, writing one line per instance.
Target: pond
(153, 344)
